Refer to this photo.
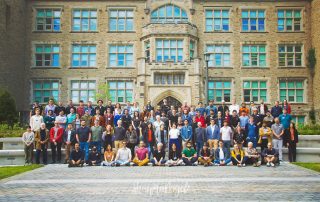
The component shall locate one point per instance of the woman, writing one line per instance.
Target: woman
(237, 156)
(265, 136)
(174, 134)
(132, 139)
(149, 138)
(108, 117)
(162, 136)
(77, 121)
(287, 106)
(290, 140)
(107, 137)
(239, 137)
(151, 117)
(135, 108)
(108, 156)
(136, 121)
(175, 158)
(116, 109)
(227, 117)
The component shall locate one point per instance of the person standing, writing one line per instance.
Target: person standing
(226, 135)
(201, 138)
(36, 120)
(285, 119)
(186, 133)
(28, 139)
(233, 107)
(61, 120)
(290, 140)
(276, 110)
(49, 120)
(81, 108)
(69, 106)
(98, 117)
(149, 138)
(119, 135)
(41, 142)
(213, 135)
(277, 141)
(132, 139)
(69, 139)
(87, 118)
(83, 136)
(56, 134)
(223, 107)
(100, 107)
(252, 132)
(107, 137)
(71, 118)
(51, 106)
(126, 119)
(174, 134)
(96, 136)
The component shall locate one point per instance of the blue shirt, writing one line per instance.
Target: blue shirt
(252, 130)
(285, 120)
(243, 121)
(213, 132)
(186, 133)
(208, 108)
(201, 110)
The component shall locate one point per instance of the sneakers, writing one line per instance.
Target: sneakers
(272, 164)
(244, 165)
(216, 164)
(268, 164)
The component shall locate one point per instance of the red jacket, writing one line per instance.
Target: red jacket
(59, 134)
(201, 120)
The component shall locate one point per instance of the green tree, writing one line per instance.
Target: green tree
(8, 110)
(103, 92)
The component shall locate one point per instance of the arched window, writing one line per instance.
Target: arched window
(169, 13)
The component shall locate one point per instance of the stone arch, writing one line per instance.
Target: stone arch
(165, 94)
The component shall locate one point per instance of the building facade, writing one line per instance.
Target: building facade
(183, 50)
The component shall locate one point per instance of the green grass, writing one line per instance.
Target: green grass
(311, 166)
(9, 171)
(8, 132)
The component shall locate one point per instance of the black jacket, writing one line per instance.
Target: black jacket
(287, 136)
(73, 139)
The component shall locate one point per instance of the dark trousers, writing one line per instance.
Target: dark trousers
(264, 144)
(43, 150)
(189, 162)
(251, 160)
(56, 149)
(292, 153)
(131, 146)
(238, 157)
(76, 165)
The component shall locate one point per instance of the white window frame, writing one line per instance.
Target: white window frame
(32, 82)
(79, 89)
(304, 88)
(294, 55)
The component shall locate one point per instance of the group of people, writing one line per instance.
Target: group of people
(115, 135)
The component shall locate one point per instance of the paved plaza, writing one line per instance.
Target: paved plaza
(59, 183)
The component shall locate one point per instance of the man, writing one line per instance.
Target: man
(276, 110)
(257, 118)
(94, 157)
(100, 107)
(243, 109)
(186, 133)
(173, 118)
(185, 116)
(219, 120)
(205, 157)
(165, 120)
(189, 155)
(98, 117)
(221, 155)
(210, 116)
(89, 108)
(158, 156)
(128, 108)
(234, 120)
(83, 136)
(157, 124)
(141, 155)
(56, 134)
(119, 135)
(87, 118)
(165, 107)
(185, 106)
(149, 107)
(96, 135)
(76, 157)
(123, 157)
(126, 119)
(201, 138)
(233, 107)
(211, 107)
(80, 108)
(34, 107)
(213, 135)
(278, 131)
(69, 106)
(69, 139)
(226, 135)
(49, 120)
(243, 120)
(200, 109)
(200, 119)
(36, 120)
(28, 139)
(270, 156)
(62, 119)
(285, 119)
(110, 106)
(108, 117)
(71, 118)
(59, 108)
(268, 119)
(252, 155)
(263, 108)
(223, 107)
(50, 106)
(41, 141)
(252, 132)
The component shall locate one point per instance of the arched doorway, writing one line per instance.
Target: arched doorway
(171, 101)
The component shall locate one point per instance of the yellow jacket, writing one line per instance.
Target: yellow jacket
(267, 134)
(234, 155)
(37, 139)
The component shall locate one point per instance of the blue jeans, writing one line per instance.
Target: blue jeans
(150, 149)
(122, 163)
(226, 161)
(227, 145)
(199, 147)
(98, 145)
(84, 146)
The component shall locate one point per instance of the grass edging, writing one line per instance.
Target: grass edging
(310, 166)
(9, 171)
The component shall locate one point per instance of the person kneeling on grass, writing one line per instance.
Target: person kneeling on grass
(237, 156)
(94, 157)
(123, 157)
(142, 156)
(108, 157)
(252, 155)
(174, 157)
(76, 157)
(205, 157)
(158, 156)
(270, 155)
(189, 155)
(221, 155)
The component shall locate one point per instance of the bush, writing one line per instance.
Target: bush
(309, 129)
(8, 111)
(15, 131)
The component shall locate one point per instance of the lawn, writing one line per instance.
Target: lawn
(9, 171)
(311, 166)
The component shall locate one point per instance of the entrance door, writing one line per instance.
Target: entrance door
(171, 102)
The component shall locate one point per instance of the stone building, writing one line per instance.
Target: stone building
(183, 50)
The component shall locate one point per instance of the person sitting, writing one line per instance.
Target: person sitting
(205, 157)
(189, 155)
(94, 157)
(108, 156)
(142, 156)
(158, 156)
(270, 155)
(221, 155)
(174, 157)
(237, 156)
(252, 155)
(76, 157)
(123, 157)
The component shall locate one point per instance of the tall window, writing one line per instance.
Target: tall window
(191, 49)
(169, 79)
(43, 90)
(121, 20)
(290, 55)
(121, 55)
(169, 50)
(84, 55)
(48, 20)
(254, 55)
(169, 13)
(47, 55)
(219, 90)
(289, 20)
(84, 20)
(254, 91)
(217, 20)
(219, 55)
(83, 90)
(253, 20)
(292, 90)
(121, 91)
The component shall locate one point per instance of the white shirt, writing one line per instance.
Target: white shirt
(69, 135)
(124, 154)
(226, 133)
(35, 122)
(174, 133)
(221, 154)
(157, 124)
(262, 109)
(61, 119)
(233, 107)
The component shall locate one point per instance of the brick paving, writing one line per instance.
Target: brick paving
(59, 183)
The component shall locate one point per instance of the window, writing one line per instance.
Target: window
(253, 20)
(84, 20)
(289, 20)
(191, 49)
(169, 79)
(299, 120)
(254, 91)
(43, 90)
(84, 55)
(290, 55)
(219, 55)
(217, 20)
(169, 13)
(121, 20)
(121, 55)
(291, 90)
(121, 91)
(169, 50)
(47, 55)
(147, 50)
(219, 90)
(254, 55)
(83, 90)
(48, 20)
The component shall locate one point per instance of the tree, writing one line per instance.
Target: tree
(312, 61)
(8, 110)
(103, 92)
